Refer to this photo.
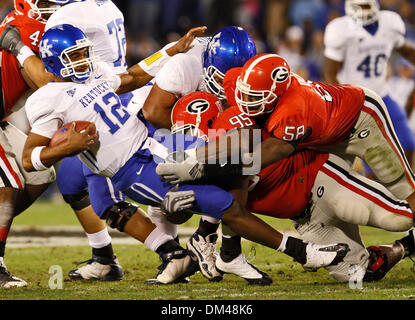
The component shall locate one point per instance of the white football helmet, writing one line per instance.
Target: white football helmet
(363, 12)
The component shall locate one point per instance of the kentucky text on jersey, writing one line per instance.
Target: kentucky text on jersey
(97, 90)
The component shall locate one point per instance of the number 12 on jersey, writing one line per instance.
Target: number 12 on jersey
(118, 114)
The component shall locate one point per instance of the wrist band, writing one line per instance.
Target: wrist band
(24, 53)
(35, 157)
(155, 62)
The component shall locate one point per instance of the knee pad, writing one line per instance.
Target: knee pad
(119, 214)
(77, 201)
(350, 211)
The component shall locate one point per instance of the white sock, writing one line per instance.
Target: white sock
(159, 219)
(99, 239)
(156, 238)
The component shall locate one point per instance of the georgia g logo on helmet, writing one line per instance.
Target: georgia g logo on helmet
(197, 106)
(280, 74)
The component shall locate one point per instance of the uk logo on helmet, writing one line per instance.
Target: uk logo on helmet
(280, 74)
(197, 106)
(45, 49)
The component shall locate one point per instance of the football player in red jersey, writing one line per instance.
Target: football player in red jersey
(18, 188)
(325, 198)
(343, 119)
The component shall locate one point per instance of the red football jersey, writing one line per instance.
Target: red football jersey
(284, 187)
(14, 86)
(229, 84)
(329, 110)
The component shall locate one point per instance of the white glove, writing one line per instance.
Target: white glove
(175, 205)
(324, 255)
(180, 167)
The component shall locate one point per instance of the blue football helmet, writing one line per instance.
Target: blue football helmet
(228, 48)
(56, 47)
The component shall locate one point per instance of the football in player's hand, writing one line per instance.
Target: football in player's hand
(61, 135)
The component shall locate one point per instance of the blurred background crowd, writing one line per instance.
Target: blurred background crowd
(292, 28)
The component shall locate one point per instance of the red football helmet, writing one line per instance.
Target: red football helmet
(263, 80)
(195, 114)
(31, 9)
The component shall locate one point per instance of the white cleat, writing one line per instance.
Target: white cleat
(242, 268)
(177, 266)
(8, 281)
(324, 255)
(205, 251)
(98, 268)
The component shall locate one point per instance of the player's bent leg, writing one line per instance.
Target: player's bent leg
(8, 198)
(252, 228)
(232, 260)
(177, 263)
(374, 140)
(358, 200)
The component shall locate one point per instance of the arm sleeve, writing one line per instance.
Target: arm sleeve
(153, 64)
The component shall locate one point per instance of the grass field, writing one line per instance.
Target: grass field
(139, 263)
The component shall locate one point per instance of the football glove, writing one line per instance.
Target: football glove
(176, 205)
(181, 166)
(10, 40)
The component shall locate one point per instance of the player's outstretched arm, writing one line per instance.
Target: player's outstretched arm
(38, 156)
(140, 74)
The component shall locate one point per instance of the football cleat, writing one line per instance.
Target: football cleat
(98, 268)
(324, 255)
(205, 251)
(408, 242)
(7, 280)
(242, 268)
(382, 259)
(176, 267)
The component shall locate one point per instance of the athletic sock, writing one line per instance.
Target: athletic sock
(206, 228)
(408, 245)
(231, 248)
(169, 246)
(296, 248)
(106, 252)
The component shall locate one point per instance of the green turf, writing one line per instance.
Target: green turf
(139, 263)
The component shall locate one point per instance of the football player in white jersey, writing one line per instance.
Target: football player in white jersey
(126, 149)
(357, 50)
(103, 22)
(202, 69)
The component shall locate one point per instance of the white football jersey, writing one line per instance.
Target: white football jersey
(103, 24)
(364, 55)
(120, 133)
(183, 73)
